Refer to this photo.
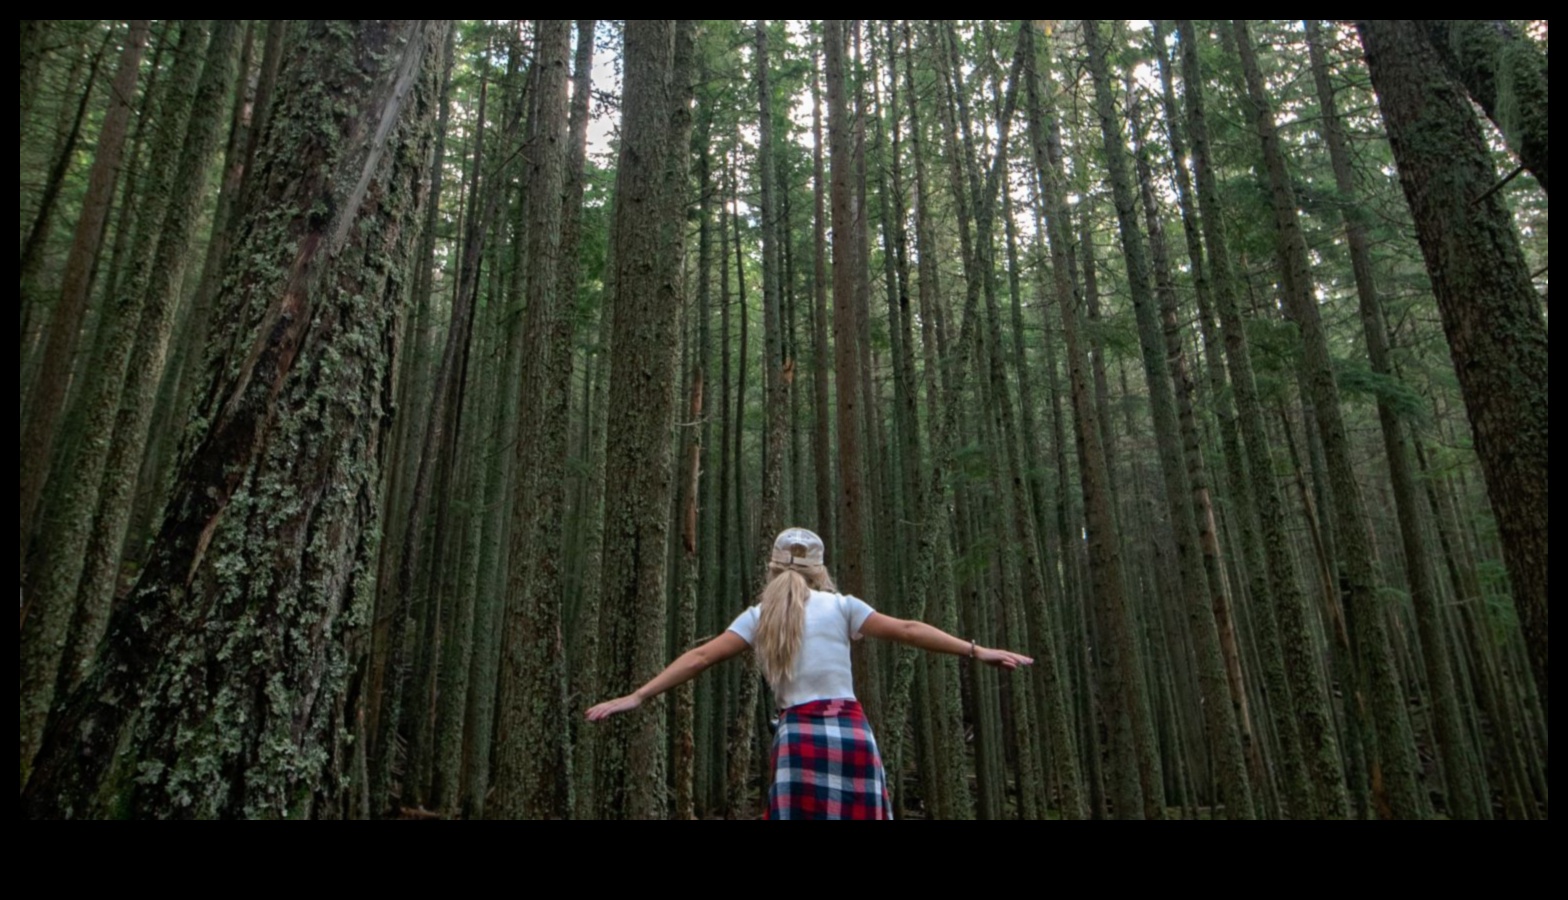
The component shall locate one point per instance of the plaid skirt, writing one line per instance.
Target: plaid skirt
(826, 765)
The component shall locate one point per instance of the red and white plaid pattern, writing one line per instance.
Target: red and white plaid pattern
(826, 765)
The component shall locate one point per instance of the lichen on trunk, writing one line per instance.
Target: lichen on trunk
(217, 692)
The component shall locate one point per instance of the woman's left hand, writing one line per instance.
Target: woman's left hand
(1002, 659)
(610, 707)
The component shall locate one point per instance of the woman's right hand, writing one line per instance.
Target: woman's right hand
(609, 708)
(1002, 659)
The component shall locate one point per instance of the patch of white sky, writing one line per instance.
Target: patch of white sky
(604, 124)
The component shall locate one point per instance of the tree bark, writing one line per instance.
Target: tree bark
(533, 761)
(1505, 74)
(1303, 708)
(1162, 352)
(217, 694)
(646, 237)
(1491, 313)
(48, 402)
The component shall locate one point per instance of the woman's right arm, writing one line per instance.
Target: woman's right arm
(929, 637)
(686, 667)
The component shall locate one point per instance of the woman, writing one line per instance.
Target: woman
(825, 759)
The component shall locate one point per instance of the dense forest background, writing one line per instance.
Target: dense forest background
(393, 391)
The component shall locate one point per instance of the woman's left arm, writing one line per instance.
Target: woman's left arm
(685, 667)
(929, 637)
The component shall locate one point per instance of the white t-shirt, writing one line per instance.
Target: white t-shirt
(822, 670)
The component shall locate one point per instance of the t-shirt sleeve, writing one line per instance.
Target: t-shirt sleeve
(745, 625)
(856, 611)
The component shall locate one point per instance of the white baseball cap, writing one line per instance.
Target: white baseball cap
(797, 546)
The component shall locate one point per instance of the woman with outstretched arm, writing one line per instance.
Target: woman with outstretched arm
(825, 759)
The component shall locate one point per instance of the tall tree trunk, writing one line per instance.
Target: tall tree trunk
(847, 220)
(34, 35)
(1119, 677)
(224, 671)
(1231, 445)
(1302, 710)
(1396, 746)
(412, 379)
(821, 434)
(743, 727)
(1233, 761)
(56, 579)
(48, 403)
(442, 419)
(43, 221)
(533, 760)
(942, 675)
(1160, 353)
(709, 604)
(1490, 311)
(570, 280)
(775, 402)
(1504, 757)
(1505, 74)
(585, 669)
(647, 232)
(1453, 746)
(684, 751)
(138, 394)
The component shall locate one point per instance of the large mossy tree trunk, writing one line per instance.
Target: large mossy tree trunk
(1505, 74)
(220, 691)
(1491, 312)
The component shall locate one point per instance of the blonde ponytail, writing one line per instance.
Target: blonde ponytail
(781, 621)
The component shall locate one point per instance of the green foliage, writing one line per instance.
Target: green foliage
(976, 560)
(1357, 382)
(1496, 601)
(972, 464)
(1276, 354)
(1117, 335)
(1390, 596)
